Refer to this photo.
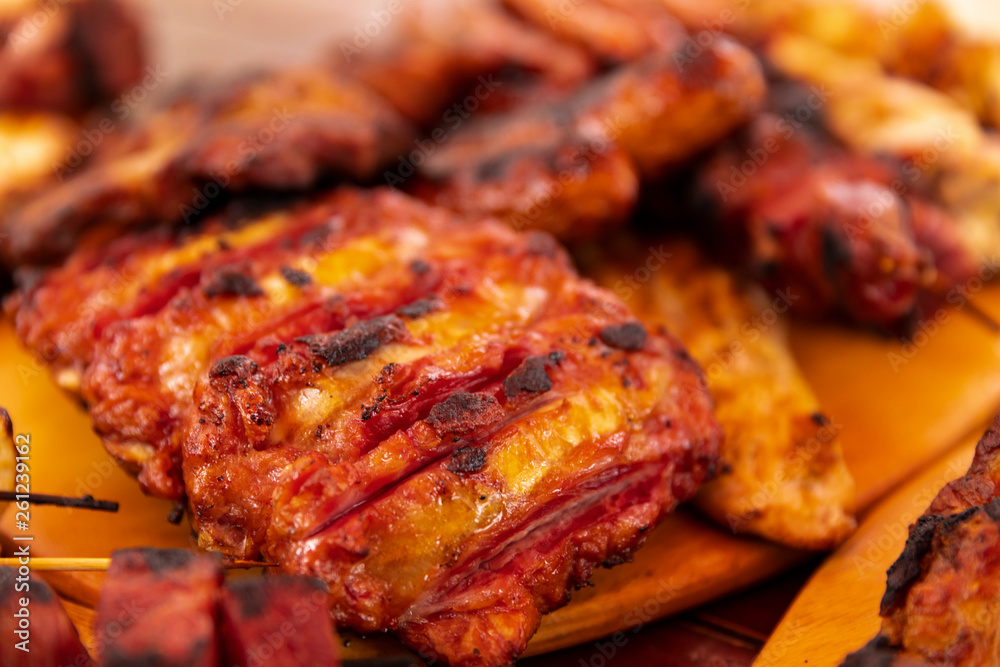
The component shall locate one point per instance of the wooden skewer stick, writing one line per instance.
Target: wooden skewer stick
(101, 564)
(86, 502)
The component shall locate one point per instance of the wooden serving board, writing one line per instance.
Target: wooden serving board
(892, 422)
(837, 611)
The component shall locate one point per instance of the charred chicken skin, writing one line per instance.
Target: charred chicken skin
(940, 604)
(573, 167)
(67, 57)
(286, 130)
(435, 416)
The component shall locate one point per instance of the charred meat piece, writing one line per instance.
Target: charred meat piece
(282, 621)
(451, 476)
(573, 168)
(802, 212)
(435, 416)
(785, 476)
(940, 603)
(38, 633)
(280, 131)
(159, 607)
(69, 56)
(615, 31)
(470, 60)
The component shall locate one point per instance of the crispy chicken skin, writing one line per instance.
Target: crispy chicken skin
(573, 168)
(940, 605)
(451, 469)
(68, 56)
(435, 416)
(284, 130)
(785, 477)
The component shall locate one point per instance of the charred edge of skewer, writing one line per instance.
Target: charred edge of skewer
(6, 424)
(85, 502)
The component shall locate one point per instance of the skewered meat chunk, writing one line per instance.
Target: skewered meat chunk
(281, 131)
(804, 213)
(67, 56)
(573, 168)
(472, 59)
(940, 602)
(159, 607)
(280, 621)
(785, 476)
(39, 634)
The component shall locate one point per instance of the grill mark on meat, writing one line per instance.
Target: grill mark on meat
(533, 530)
(232, 282)
(463, 412)
(231, 366)
(630, 336)
(418, 308)
(529, 376)
(357, 342)
(467, 460)
(295, 277)
(908, 568)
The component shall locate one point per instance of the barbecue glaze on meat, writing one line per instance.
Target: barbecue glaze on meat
(435, 416)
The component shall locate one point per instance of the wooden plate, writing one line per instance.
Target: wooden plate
(837, 611)
(894, 417)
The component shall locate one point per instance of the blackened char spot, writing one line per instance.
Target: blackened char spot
(907, 567)
(992, 509)
(463, 412)
(157, 561)
(630, 336)
(467, 460)
(357, 342)
(232, 282)
(419, 267)
(819, 419)
(251, 594)
(295, 276)
(876, 653)
(529, 376)
(417, 309)
(834, 252)
(231, 366)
